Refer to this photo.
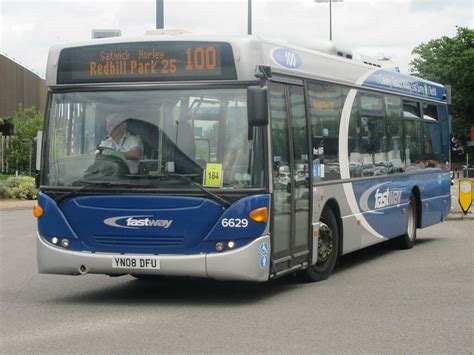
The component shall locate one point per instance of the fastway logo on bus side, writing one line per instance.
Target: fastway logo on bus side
(382, 197)
(134, 222)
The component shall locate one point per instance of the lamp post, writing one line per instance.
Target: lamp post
(330, 13)
(160, 16)
(249, 17)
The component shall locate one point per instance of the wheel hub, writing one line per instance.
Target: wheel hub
(325, 244)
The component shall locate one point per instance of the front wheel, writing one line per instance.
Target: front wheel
(328, 247)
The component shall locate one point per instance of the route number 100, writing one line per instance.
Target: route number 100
(200, 58)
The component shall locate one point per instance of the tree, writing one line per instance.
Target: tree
(26, 122)
(451, 61)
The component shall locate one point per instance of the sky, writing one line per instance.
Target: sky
(390, 28)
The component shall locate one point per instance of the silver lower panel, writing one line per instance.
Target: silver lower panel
(239, 264)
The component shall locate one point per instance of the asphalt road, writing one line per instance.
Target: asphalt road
(379, 300)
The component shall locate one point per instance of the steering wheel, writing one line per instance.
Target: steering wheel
(108, 163)
(111, 153)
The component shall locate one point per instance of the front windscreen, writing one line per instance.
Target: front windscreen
(153, 139)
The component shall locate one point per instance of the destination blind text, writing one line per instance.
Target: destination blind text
(152, 62)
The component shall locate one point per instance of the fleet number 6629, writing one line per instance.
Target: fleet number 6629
(235, 222)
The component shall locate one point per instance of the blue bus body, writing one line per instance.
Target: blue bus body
(118, 225)
(352, 156)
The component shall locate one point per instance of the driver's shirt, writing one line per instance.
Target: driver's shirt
(127, 143)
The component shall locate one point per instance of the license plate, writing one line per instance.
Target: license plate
(135, 262)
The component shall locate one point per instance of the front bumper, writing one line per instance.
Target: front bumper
(240, 264)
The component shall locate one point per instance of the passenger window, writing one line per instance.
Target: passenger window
(395, 154)
(431, 137)
(368, 137)
(413, 135)
(430, 112)
(326, 102)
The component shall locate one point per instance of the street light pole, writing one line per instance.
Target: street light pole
(330, 20)
(330, 13)
(160, 16)
(249, 17)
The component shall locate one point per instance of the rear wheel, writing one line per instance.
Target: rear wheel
(407, 241)
(328, 247)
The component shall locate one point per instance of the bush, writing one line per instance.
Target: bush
(22, 187)
(3, 191)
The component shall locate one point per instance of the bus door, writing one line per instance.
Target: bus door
(291, 188)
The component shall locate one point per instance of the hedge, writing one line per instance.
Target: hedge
(21, 187)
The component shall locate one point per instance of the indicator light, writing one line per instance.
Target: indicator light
(259, 215)
(37, 210)
(219, 246)
(65, 243)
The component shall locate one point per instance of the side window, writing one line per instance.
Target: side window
(431, 137)
(368, 139)
(412, 127)
(326, 102)
(395, 153)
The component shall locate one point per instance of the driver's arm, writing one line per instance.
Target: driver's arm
(133, 154)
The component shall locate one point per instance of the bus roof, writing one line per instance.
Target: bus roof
(283, 58)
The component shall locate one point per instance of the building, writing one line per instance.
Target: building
(19, 85)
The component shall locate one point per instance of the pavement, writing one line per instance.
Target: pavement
(13, 204)
(455, 214)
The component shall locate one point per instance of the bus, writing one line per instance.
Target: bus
(254, 159)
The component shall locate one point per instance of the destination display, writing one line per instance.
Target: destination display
(146, 61)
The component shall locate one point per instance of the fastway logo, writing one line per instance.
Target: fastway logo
(387, 198)
(135, 222)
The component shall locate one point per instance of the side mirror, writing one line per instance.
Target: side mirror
(257, 106)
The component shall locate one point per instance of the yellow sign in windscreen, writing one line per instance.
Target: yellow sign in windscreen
(213, 175)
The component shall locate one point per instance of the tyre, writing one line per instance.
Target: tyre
(328, 248)
(407, 241)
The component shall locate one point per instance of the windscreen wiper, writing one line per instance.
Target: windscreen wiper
(88, 186)
(200, 187)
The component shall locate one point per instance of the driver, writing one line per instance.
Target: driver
(121, 140)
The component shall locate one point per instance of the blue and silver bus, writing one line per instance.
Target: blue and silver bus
(237, 158)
